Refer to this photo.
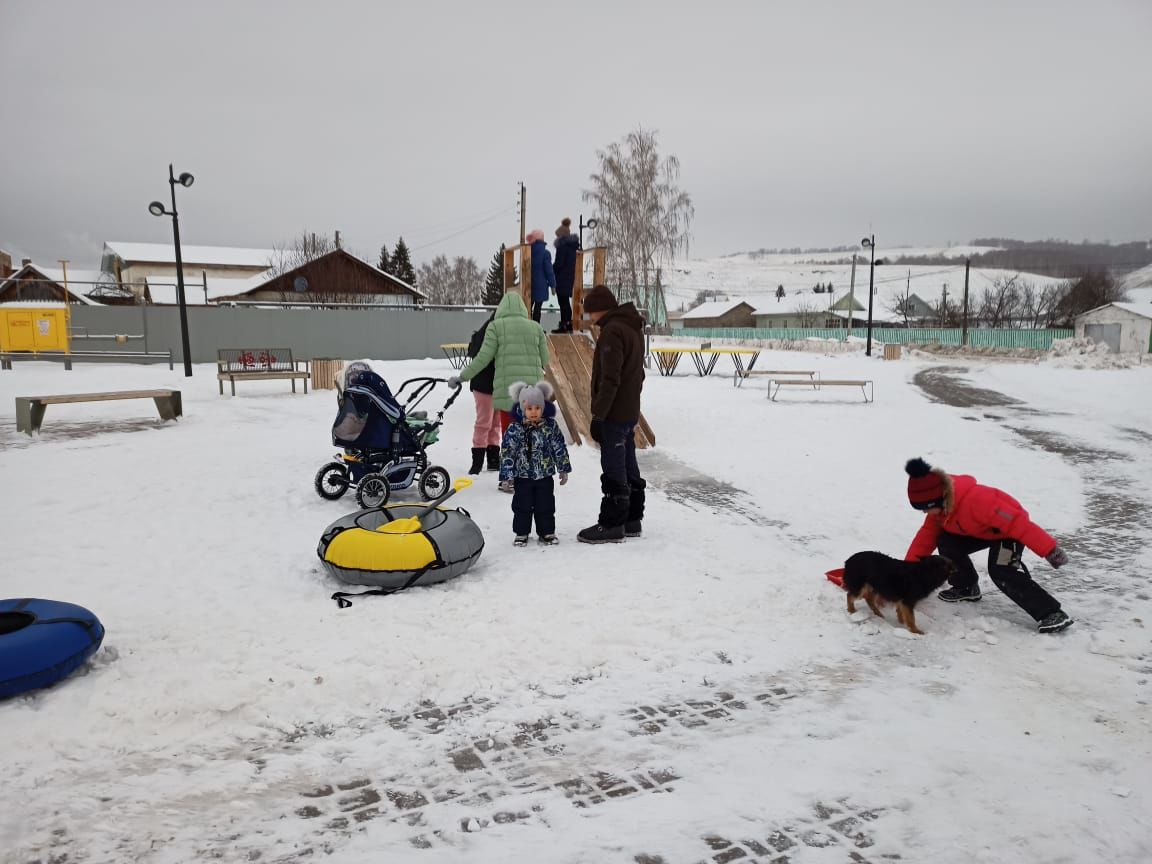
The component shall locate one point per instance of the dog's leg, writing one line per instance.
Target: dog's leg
(870, 597)
(851, 603)
(908, 617)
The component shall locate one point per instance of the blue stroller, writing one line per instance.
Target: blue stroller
(385, 442)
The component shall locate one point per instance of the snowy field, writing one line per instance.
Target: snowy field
(755, 277)
(699, 694)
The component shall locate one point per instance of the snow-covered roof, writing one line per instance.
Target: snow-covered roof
(714, 308)
(163, 288)
(1142, 309)
(165, 253)
(793, 302)
(79, 281)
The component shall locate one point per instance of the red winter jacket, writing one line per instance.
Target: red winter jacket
(972, 510)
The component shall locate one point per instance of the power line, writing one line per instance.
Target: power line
(501, 214)
(450, 223)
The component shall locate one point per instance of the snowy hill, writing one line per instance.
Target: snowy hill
(755, 277)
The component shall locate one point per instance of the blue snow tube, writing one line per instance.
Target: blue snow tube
(43, 641)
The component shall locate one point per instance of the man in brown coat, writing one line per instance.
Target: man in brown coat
(617, 379)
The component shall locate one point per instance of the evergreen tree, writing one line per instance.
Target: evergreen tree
(385, 262)
(402, 267)
(494, 284)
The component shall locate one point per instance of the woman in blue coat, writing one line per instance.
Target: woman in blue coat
(567, 245)
(543, 277)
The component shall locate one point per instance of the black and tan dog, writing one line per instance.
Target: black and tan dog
(875, 576)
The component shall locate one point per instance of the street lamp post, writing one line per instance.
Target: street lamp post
(157, 209)
(590, 224)
(869, 243)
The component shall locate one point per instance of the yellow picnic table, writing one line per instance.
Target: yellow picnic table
(456, 352)
(668, 358)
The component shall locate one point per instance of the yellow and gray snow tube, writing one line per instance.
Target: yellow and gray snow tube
(378, 547)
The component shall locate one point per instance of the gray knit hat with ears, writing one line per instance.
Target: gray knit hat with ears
(531, 394)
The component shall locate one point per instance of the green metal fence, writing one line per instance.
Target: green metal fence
(1040, 340)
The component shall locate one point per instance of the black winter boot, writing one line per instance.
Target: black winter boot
(477, 460)
(599, 534)
(493, 457)
(632, 526)
(609, 528)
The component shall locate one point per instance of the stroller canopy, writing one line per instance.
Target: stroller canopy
(369, 414)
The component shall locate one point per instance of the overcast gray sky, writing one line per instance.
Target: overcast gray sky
(796, 123)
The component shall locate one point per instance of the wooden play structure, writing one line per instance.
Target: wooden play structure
(570, 368)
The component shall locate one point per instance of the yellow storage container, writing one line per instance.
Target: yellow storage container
(25, 328)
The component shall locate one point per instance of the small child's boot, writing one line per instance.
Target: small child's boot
(477, 460)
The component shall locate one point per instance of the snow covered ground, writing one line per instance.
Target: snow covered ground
(699, 694)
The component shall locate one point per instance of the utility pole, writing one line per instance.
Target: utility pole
(944, 305)
(523, 208)
(852, 296)
(964, 323)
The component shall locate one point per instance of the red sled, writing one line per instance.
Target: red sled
(836, 577)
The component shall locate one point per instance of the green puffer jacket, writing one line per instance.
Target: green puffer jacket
(519, 347)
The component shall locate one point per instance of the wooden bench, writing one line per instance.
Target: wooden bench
(740, 375)
(30, 409)
(259, 364)
(865, 385)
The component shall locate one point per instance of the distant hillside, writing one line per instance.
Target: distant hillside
(1057, 258)
(1050, 257)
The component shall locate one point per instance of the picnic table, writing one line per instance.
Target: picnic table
(668, 358)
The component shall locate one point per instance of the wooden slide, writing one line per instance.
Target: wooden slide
(570, 373)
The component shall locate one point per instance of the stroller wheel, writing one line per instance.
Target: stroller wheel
(372, 491)
(434, 483)
(332, 481)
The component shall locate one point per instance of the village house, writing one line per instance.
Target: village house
(34, 283)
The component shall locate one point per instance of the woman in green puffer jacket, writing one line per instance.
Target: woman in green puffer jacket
(519, 347)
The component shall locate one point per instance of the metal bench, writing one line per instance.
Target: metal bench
(741, 375)
(30, 409)
(70, 357)
(457, 353)
(865, 385)
(259, 364)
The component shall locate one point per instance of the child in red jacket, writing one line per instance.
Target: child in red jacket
(964, 517)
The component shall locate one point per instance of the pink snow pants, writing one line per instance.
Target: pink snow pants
(486, 432)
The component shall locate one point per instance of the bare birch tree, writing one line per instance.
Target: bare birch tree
(1000, 304)
(808, 313)
(307, 247)
(642, 214)
(454, 283)
(902, 305)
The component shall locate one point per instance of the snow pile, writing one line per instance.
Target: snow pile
(1086, 353)
(928, 350)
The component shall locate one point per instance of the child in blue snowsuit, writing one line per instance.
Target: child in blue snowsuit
(533, 450)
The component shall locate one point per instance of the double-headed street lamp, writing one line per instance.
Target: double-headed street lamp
(590, 224)
(869, 243)
(158, 209)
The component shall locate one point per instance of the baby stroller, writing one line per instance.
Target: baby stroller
(384, 441)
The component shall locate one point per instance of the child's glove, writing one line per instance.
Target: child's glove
(453, 381)
(563, 477)
(1057, 557)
